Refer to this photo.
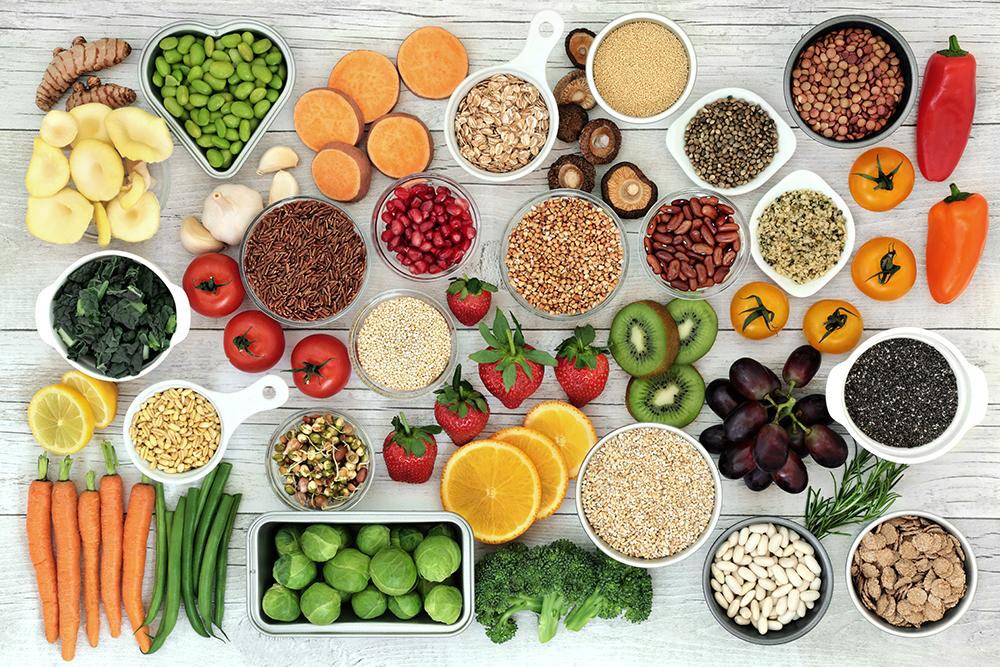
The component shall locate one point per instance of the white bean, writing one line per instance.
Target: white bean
(733, 585)
(804, 548)
(788, 551)
(751, 542)
(793, 577)
(734, 607)
(809, 596)
(727, 566)
(787, 562)
(766, 584)
(810, 605)
(766, 607)
(764, 561)
(717, 573)
(773, 626)
(754, 609)
(771, 530)
(815, 584)
(745, 600)
(786, 617)
(801, 611)
(745, 612)
(746, 574)
(742, 536)
(793, 599)
(728, 594)
(762, 548)
(738, 552)
(774, 544)
(762, 625)
(728, 555)
(746, 560)
(721, 600)
(758, 570)
(781, 591)
(812, 564)
(733, 539)
(742, 621)
(783, 531)
(748, 587)
(759, 593)
(758, 527)
(716, 586)
(780, 607)
(778, 573)
(805, 572)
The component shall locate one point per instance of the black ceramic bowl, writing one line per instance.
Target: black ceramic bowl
(907, 65)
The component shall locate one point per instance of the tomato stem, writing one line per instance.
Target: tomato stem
(210, 285)
(243, 342)
(310, 369)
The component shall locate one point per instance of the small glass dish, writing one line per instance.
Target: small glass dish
(377, 225)
(263, 307)
(515, 220)
(738, 266)
(365, 376)
(277, 479)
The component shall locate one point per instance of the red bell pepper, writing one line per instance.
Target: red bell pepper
(947, 105)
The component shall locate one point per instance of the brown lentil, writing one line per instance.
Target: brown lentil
(802, 234)
(305, 261)
(641, 68)
(176, 430)
(565, 256)
(648, 493)
(730, 142)
(847, 84)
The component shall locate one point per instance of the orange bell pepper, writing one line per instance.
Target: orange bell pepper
(956, 236)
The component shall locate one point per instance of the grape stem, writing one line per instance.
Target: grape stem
(785, 409)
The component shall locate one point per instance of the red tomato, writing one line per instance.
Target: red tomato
(253, 341)
(213, 286)
(320, 365)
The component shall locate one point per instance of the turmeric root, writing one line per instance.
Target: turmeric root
(69, 64)
(110, 94)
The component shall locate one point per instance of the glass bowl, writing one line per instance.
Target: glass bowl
(516, 219)
(739, 264)
(277, 480)
(352, 347)
(389, 257)
(259, 303)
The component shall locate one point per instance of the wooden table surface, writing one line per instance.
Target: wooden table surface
(741, 43)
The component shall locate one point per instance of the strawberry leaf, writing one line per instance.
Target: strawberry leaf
(540, 357)
(509, 376)
(460, 395)
(413, 440)
(489, 356)
(578, 348)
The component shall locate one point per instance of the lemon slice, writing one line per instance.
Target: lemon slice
(61, 419)
(100, 394)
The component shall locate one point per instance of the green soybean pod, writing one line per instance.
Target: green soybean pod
(231, 120)
(273, 57)
(205, 140)
(244, 72)
(209, 45)
(262, 73)
(246, 53)
(197, 54)
(172, 56)
(221, 70)
(198, 100)
(272, 96)
(231, 40)
(200, 87)
(261, 46)
(220, 126)
(261, 108)
(157, 79)
(257, 95)
(168, 91)
(220, 141)
(195, 73)
(168, 43)
(214, 157)
(171, 105)
(215, 102)
(244, 130)
(277, 83)
(162, 66)
(242, 110)
(247, 37)
(235, 147)
(216, 84)
(192, 128)
(182, 95)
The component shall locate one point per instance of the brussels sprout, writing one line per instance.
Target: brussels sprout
(345, 535)
(444, 604)
(320, 542)
(424, 587)
(369, 603)
(286, 541)
(437, 557)
(445, 529)
(347, 571)
(295, 571)
(392, 571)
(405, 538)
(406, 606)
(320, 604)
(372, 538)
(280, 603)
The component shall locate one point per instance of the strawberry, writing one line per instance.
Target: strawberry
(409, 451)
(469, 299)
(461, 410)
(510, 369)
(583, 368)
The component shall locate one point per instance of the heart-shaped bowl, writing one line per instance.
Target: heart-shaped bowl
(147, 67)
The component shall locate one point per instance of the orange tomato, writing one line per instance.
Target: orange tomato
(758, 310)
(884, 268)
(881, 178)
(833, 326)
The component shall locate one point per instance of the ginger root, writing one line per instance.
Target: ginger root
(109, 94)
(69, 64)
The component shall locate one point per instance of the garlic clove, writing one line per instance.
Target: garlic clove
(229, 209)
(277, 158)
(196, 239)
(283, 185)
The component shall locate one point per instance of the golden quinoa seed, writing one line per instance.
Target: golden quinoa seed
(176, 430)
(404, 344)
(648, 493)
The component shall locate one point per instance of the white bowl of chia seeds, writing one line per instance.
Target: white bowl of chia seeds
(907, 395)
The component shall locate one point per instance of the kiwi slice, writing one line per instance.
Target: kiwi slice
(697, 326)
(643, 339)
(673, 398)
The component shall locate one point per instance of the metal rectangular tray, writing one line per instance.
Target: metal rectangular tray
(261, 556)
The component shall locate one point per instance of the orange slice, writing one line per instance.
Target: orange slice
(568, 427)
(548, 461)
(494, 486)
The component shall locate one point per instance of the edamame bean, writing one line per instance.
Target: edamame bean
(184, 43)
(257, 95)
(221, 70)
(214, 157)
(157, 79)
(199, 86)
(197, 54)
(227, 159)
(209, 129)
(172, 56)
(277, 83)
(234, 56)
(246, 53)
(225, 108)
(162, 66)
(220, 56)
(168, 91)
(244, 130)
(232, 135)
(244, 72)
(202, 117)
(235, 147)
(170, 80)
(192, 128)
(242, 110)
(215, 102)
(171, 105)
(272, 95)
(209, 45)
(243, 90)
(262, 73)
(282, 72)
(182, 95)
(168, 43)
(230, 120)
(220, 126)
(273, 57)
(261, 46)
(247, 37)
(198, 100)
(231, 40)
(205, 140)
(220, 142)
(261, 108)
(195, 72)
(216, 84)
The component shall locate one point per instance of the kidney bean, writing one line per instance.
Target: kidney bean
(696, 235)
(654, 263)
(702, 249)
(683, 228)
(710, 211)
(706, 235)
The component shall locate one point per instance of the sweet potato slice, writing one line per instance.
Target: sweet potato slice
(432, 62)
(370, 79)
(323, 116)
(399, 144)
(342, 172)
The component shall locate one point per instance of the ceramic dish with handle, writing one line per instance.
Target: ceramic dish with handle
(44, 315)
(801, 179)
(677, 129)
(233, 408)
(530, 66)
(973, 398)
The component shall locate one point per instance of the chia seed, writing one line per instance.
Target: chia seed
(902, 393)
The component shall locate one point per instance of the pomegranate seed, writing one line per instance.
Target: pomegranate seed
(470, 232)
(402, 193)
(415, 215)
(420, 266)
(429, 228)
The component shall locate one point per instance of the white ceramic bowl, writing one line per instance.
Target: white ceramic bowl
(786, 140)
(669, 25)
(234, 408)
(973, 396)
(650, 563)
(802, 179)
(952, 615)
(43, 314)
(529, 65)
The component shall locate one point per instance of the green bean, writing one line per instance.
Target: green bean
(242, 110)
(162, 66)
(197, 54)
(235, 146)
(187, 556)
(205, 140)
(223, 563)
(160, 575)
(261, 108)
(211, 492)
(209, 45)
(174, 574)
(170, 104)
(192, 128)
(173, 56)
(272, 57)
(221, 70)
(246, 53)
(182, 95)
(261, 46)
(209, 558)
(170, 521)
(244, 131)
(230, 40)
(200, 87)
(185, 43)
(272, 96)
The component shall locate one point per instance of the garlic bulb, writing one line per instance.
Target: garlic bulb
(229, 210)
(283, 185)
(196, 239)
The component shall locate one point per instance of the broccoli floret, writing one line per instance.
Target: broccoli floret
(621, 590)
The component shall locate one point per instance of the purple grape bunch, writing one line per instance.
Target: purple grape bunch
(766, 433)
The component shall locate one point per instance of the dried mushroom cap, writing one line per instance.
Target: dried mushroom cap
(627, 190)
(572, 118)
(578, 43)
(600, 141)
(572, 171)
(574, 89)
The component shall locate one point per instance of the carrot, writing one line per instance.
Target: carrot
(89, 514)
(67, 537)
(342, 172)
(432, 62)
(322, 115)
(368, 78)
(399, 145)
(39, 527)
(112, 508)
(136, 533)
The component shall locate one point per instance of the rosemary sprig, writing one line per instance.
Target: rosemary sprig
(865, 493)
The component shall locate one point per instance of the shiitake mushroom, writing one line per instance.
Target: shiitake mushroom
(572, 171)
(600, 141)
(627, 190)
(574, 89)
(578, 43)
(572, 118)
